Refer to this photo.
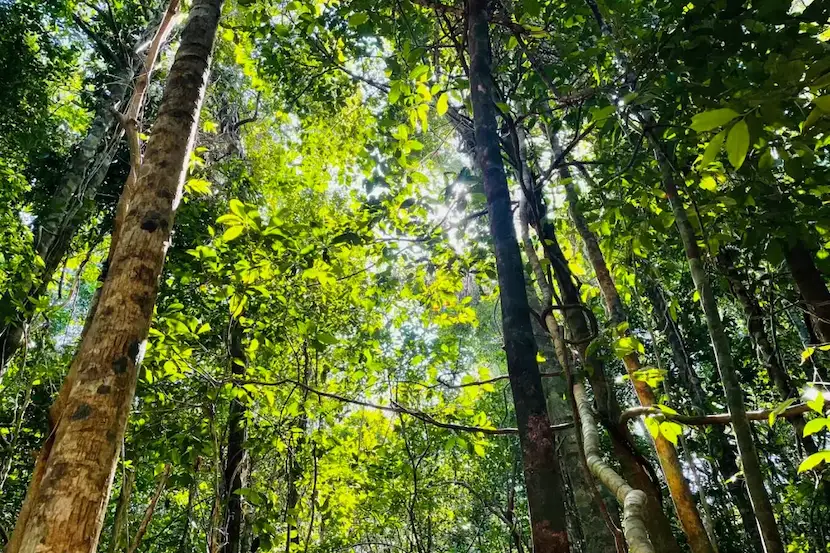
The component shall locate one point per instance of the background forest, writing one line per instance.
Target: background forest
(488, 276)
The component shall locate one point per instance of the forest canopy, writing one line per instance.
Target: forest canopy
(414, 276)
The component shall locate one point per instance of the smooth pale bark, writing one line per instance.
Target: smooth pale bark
(764, 350)
(235, 460)
(724, 460)
(753, 473)
(812, 287)
(67, 497)
(543, 480)
(681, 493)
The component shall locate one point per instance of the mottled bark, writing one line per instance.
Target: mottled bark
(724, 460)
(543, 480)
(764, 350)
(811, 286)
(753, 473)
(67, 497)
(234, 477)
(681, 493)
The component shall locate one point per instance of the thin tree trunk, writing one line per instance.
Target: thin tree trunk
(72, 479)
(234, 474)
(684, 501)
(753, 473)
(724, 460)
(811, 286)
(295, 469)
(119, 539)
(764, 350)
(150, 510)
(543, 480)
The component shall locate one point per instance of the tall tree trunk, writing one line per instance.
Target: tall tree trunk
(70, 486)
(235, 459)
(764, 350)
(68, 208)
(724, 460)
(811, 286)
(543, 480)
(73, 201)
(681, 493)
(753, 473)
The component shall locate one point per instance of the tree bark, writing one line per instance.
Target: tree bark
(812, 288)
(753, 473)
(234, 473)
(684, 501)
(635, 467)
(543, 480)
(67, 497)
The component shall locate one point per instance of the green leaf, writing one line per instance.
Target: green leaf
(653, 426)
(823, 102)
(442, 104)
(237, 207)
(712, 119)
(708, 183)
(813, 461)
(414, 145)
(713, 149)
(326, 338)
(817, 403)
(358, 19)
(806, 354)
(815, 425)
(671, 430)
(232, 232)
(737, 143)
(394, 92)
(199, 186)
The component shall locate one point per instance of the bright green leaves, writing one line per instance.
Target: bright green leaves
(780, 408)
(713, 149)
(737, 143)
(650, 375)
(814, 460)
(238, 220)
(712, 119)
(657, 426)
(823, 103)
(442, 104)
(197, 186)
(628, 345)
(816, 425)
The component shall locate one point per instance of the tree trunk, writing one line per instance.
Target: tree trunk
(234, 474)
(720, 344)
(150, 510)
(764, 350)
(295, 469)
(67, 497)
(724, 461)
(812, 288)
(684, 501)
(74, 199)
(543, 480)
